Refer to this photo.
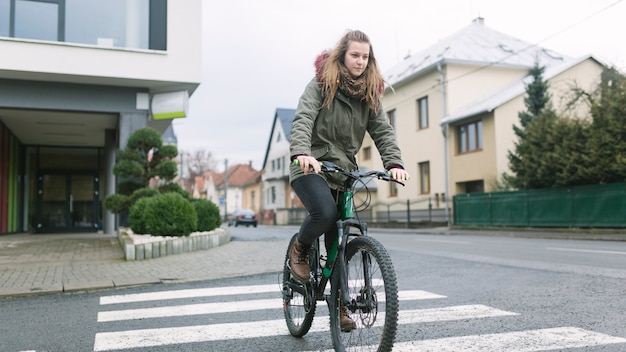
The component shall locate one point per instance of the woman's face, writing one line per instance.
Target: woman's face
(357, 57)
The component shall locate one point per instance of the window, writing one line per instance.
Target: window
(367, 153)
(273, 165)
(278, 137)
(278, 164)
(422, 113)
(391, 115)
(424, 177)
(393, 189)
(470, 137)
(140, 24)
(474, 186)
(273, 195)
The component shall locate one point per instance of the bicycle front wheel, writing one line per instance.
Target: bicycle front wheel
(373, 293)
(298, 299)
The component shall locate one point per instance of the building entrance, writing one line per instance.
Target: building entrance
(68, 202)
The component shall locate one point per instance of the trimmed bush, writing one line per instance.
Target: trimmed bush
(143, 193)
(116, 202)
(208, 214)
(174, 187)
(170, 214)
(137, 217)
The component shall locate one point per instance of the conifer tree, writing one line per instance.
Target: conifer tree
(607, 142)
(531, 160)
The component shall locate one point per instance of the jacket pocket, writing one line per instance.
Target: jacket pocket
(320, 152)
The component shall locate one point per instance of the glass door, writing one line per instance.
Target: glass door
(67, 202)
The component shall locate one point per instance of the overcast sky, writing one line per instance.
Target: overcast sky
(258, 55)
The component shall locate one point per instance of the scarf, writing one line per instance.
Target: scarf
(352, 87)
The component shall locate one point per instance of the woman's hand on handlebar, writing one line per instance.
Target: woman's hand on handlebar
(399, 174)
(307, 163)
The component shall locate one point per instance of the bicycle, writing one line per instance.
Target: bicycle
(360, 272)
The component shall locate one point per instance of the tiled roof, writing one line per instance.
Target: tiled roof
(239, 175)
(474, 44)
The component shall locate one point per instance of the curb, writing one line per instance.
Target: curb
(157, 246)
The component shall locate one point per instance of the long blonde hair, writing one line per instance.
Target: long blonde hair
(374, 79)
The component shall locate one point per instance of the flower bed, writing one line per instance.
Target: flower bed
(140, 247)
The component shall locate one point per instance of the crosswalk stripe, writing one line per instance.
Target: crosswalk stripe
(519, 341)
(191, 293)
(106, 341)
(225, 307)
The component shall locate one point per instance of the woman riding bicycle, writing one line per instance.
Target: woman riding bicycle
(338, 106)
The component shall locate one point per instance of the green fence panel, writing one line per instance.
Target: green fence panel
(473, 210)
(602, 205)
(581, 206)
(509, 209)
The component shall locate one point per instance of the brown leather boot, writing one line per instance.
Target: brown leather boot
(345, 322)
(299, 261)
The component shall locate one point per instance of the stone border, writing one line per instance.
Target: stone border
(140, 247)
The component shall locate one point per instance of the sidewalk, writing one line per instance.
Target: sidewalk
(48, 263)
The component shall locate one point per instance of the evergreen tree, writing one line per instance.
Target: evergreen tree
(531, 159)
(607, 142)
(144, 159)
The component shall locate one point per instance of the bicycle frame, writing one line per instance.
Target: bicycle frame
(345, 205)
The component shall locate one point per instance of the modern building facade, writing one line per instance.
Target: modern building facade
(77, 78)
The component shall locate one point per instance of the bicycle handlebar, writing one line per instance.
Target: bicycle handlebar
(327, 166)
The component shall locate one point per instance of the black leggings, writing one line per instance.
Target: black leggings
(319, 200)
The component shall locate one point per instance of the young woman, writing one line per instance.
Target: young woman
(338, 106)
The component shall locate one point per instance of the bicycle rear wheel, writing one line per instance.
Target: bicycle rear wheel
(299, 302)
(373, 292)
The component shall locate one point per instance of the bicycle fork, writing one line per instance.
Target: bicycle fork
(366, 301)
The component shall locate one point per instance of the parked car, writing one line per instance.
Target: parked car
(243, 216)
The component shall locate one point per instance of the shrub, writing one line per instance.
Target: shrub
(208, 214)
(137, 217)
(175, 188)
(170, 214)
(116, 202)
(143, 193)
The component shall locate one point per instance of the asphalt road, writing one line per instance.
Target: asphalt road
(467, 293)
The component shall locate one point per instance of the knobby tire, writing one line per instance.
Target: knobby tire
(376, 329)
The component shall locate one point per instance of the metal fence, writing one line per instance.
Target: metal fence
(401, 213)
(580, 206)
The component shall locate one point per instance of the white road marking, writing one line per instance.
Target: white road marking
(106, 341)
(519, 341)
(584, 250)
(191, 293)
(225, 307)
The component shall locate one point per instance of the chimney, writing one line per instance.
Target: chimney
(479, 19)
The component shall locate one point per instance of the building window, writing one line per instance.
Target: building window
(424, 177)
(273, 195)
(278, 137)
(367, 153)
(278, 163)
(138, 24)
(391, 115)
(470, 137)
(473, 187)
(273, 165)
(393, 189)
(422, 113)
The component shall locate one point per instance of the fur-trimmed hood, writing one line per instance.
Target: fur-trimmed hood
(320, 61)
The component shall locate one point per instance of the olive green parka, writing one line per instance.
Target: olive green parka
(336, 133)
